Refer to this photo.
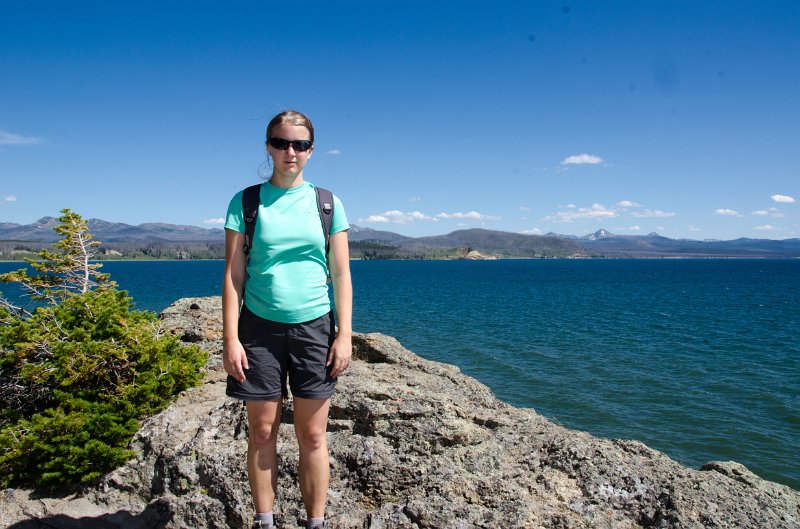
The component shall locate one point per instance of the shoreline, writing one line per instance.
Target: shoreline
(654, 258)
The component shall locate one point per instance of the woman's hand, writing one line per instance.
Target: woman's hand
(234, 359)
(340, 353)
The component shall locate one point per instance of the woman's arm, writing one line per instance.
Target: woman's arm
(233, 356)
(342, 348)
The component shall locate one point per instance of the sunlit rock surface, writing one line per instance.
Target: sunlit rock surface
(414, 444)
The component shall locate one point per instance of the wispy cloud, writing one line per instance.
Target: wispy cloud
(771, 212)
(654, 213)
(694, 228)
(407, 217)
(8, 138)
(623, 208)
(633, 228)
(400, 217)
(784, 199)
(532, 231)
(765, 227)
(333, 152)
(415, 199)
(582, 159)
(472, 215)
(218, 220)
(727, 212)
(9, 198)
(596, 211)
(380, 219)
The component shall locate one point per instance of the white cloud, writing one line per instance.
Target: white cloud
(415, 199)
(648, 213)
(785, 199)
(727, 212)
(582, 159)
(7, 138)
(472, 215)
(694, 228)
(596, 211)
(218, 220)
(416, 215)
(377, 218)
(400, 217)
(523, 208)
(532, 231)
(9, 198)
(775, 213)
(334, 152)
(407, 217)
(765, 227)
(634, 228)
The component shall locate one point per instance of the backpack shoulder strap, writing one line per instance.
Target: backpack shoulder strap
(325, 207)
(250, 202)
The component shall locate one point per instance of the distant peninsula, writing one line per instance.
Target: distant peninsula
(171, 241)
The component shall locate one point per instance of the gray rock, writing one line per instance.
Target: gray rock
(414, 444)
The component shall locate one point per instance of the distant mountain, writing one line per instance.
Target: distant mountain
(499, 243)
(367, 241)
(599, 234)
(358, 234)
(606, 244)
(108, 232)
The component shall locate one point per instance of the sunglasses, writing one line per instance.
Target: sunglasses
(297, 145)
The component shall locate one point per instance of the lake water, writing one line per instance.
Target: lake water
(696, 358)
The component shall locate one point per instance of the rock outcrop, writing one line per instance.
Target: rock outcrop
(414, 444)
(475, 255)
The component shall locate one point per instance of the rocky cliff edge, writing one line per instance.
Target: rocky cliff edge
(414, 444)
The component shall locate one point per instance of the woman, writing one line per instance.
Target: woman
(278, 323)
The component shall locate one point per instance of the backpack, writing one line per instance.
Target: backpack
(251, 200)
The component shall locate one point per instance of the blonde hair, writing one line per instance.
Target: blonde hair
(290, 117)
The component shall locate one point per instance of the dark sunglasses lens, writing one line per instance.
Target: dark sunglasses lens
(298, 145)
(279, 143)
(301, 145)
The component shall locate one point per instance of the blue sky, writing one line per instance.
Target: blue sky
(676, 117)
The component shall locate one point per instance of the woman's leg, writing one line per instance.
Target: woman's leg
(310, 425)
(263, 419)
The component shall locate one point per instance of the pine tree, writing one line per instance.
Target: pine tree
(66, 271)
(79, 372)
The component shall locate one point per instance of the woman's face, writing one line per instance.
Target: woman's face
(289, 163)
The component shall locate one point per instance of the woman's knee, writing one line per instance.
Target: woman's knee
(311, 437)
(264, 434)
(263, 420)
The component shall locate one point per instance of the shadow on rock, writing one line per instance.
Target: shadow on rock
(155, 516)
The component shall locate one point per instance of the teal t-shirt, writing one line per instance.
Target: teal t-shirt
(288, 271)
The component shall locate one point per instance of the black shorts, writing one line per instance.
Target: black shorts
(276, 351)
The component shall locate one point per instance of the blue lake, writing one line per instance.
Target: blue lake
(696, 358)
